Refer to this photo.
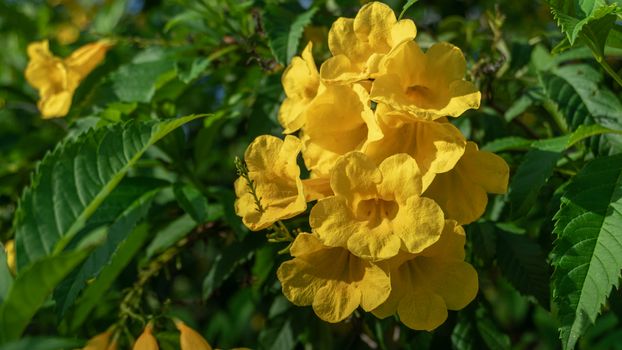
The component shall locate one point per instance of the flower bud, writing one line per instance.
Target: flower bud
(101, 341)
(191, 339)
(146, 341)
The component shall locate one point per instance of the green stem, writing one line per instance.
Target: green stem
(609, 70)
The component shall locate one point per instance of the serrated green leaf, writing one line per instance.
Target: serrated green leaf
(576, 92)
(284, 29)
(523, 263)
(587, 254)
(94, 292)
(68, 291)
(577, 18)
(71, 183)
(31, 288)
(42, 343)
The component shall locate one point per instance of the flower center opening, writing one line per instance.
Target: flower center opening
(418, 92)
(376, 210)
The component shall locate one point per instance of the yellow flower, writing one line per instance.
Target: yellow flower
(101, 341)
(146, 341)
(461, 192)
(301, 82)
(377, 210)
(332, 280)
(425, 285)
(56, 78)
(9, 248)
(340, 121)
(67, 33)
(427, 85)
(191, 339)
(272, 166)
(436, 146)
(359, 44)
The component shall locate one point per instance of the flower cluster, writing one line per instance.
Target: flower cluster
(391, 178)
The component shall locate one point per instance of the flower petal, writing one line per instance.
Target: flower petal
(418, 223)
(453, 280)
(487, 169)
(333, 222)
(355, 175)
(401, 178)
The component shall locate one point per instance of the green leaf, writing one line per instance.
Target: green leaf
(31, 288)
(406, 6)
(523, 263)
(529, 178)
(170, 235)
(576, 92)
(42, 343)
(587, 254)
(68, 291)
(507, 144)
(522, 104)
(491, 335)
(138, 81)
(463, 337)
(95, 291)
(227, 261)
(589, 19)
(475, 330)
(559, 144)
(72, 182)
(108, 17)
(284, 29)
(192, 201)
(6, 279)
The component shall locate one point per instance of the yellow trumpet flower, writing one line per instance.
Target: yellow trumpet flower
(57, 79)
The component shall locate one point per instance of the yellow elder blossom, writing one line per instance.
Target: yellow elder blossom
(340, 121)
(359, 44)
(272, 167)
(461, 192)
(190, 339)
(436, 146)
(377, 210)
(332, 280)
(301, 82)
(425, 285)
(429, 85)
(101, 341)
(146, 341)
(56, 78)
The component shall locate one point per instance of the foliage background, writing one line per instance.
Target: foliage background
(225, 58)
